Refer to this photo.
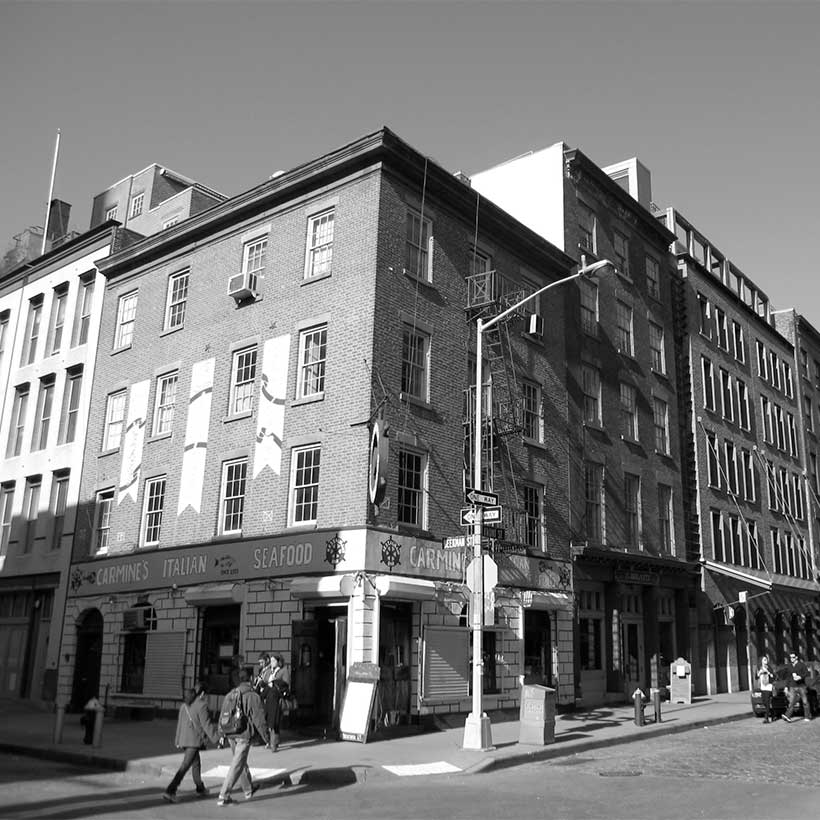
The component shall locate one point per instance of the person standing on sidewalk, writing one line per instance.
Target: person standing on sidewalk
(278, 690)
(798, 672)
(765, 676)
(194, 729)
(251, 707)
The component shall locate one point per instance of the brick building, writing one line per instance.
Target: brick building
(633, 584)
(279, 439)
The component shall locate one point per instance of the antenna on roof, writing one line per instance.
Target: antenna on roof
(50, 192)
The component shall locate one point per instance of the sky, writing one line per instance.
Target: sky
(718, 99)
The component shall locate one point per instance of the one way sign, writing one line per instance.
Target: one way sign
(469, 515)
(479, 497)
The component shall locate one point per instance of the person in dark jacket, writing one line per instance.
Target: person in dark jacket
(797, 674)
(278, 689)
(194, 729)
(241, 743)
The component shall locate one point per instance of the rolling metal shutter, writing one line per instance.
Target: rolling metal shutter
(446, 672)
(164, 664)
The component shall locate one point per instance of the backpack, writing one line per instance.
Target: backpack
(233, 720)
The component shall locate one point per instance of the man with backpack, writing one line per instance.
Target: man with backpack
(241, 719)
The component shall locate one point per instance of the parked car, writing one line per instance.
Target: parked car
(780, 691)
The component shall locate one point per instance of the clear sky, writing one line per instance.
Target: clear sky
(718, 99)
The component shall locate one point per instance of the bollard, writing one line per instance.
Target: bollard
(59, 721)
(656, 700)
(637, 700)
(98, 726)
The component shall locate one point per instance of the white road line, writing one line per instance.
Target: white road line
(441, 767)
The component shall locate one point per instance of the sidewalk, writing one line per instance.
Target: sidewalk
(146, 747)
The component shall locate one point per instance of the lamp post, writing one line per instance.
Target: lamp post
(477, 730)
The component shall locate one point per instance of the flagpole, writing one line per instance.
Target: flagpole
(50, 192)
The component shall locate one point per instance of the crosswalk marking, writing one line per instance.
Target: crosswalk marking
(440, 767)
(256, 774)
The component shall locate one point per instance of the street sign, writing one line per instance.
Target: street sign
(469, 515)
(490, 569)
(478, 497)
(458, 542)
(492, 531)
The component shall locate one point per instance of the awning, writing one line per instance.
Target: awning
(548, 600)
(322, 586)
(738, 574)
(215, 594)
(391, 586)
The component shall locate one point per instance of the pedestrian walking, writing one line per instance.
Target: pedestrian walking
(241, 720)
(278, 690)
(264, 673)
(194, 729)
(765, 676)
(798, 672)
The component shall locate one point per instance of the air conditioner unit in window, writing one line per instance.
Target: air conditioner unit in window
(135, 619)
(535, 325)
(243, 286)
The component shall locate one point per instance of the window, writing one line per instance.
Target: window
(791, 428)
(762, 364)
(708, 383)
(169, 223)
(480, 262)
(712, 461)
(722, 329)
(731, 467)
(781, 428)
(718, 544)
(594, 502)
(749, 475)
(624, 328)
(592, 393)
(114, 419)
(656, 348)
(808, 413)
(743, 416)
(6, 509)
(632, 514)
(57, 324)
(586, 227)
(620, 247)
(42, 417)
(254, 257)
(768, 420)
(629, 412)
(312, 362)
(533, 523)
(102, 520)
(305, 484)
(705, 316)
(411, 488)
(243, 378)
(153, 506)
(735, 540)
(653, 277)
(232, 506)
(177, 300)
(788, 381)
(35, 312)
(532, 412)
(797, 497)
(165, 403)
(320, 245)
(665, 533)
(414, 362)
(126, 314)
(660, 412)
(4, 327)
(136, 204)
(774, 369)
(589, 307)
(418, 242)
(59, 495)
(816, 374)
(727, 395)
(111, 213)
(740, 343)
(31, 504)
(82, 315)
(71, 407)
(18, 421)
(804, 363)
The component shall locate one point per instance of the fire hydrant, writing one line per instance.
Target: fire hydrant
(638, 702)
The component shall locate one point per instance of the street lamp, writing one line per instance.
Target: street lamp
(477, 730)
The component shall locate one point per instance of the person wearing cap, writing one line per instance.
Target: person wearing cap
(797, 672)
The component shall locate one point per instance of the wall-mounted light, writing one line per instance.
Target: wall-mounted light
(112, 599)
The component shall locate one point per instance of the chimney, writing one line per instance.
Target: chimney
(57, 219)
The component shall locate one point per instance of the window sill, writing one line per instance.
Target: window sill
(117, 350)
(237, 416)
(534, 442)
(302, 526)
(308, 399)
(105, 453)
(661, 374)
(309, 280)
(594, 425)
(629, 440)
(422, 280)
(170, 330)
(414, 400)
(159, 437)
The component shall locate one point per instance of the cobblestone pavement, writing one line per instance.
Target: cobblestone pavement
(747, 751)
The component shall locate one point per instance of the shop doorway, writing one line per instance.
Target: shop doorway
(219, 655)
(87, 661)
(537, 647)
(742, 649)
(633, 645)
(394, 662)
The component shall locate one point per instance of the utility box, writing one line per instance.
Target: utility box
(537, 715)
(680, 681)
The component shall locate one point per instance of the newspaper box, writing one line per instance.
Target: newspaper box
(680, 681)
(537, 715)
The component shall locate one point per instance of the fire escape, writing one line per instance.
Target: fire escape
(489, 293)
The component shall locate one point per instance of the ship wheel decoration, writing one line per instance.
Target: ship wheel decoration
(335, 551)
(391, 553)
(564, 578)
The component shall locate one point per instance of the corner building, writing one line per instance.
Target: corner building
(277, 440)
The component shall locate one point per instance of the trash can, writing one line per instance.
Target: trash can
(537, 715)
(680, 681)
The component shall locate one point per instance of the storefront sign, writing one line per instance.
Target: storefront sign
(651, 579)
(527, 572)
